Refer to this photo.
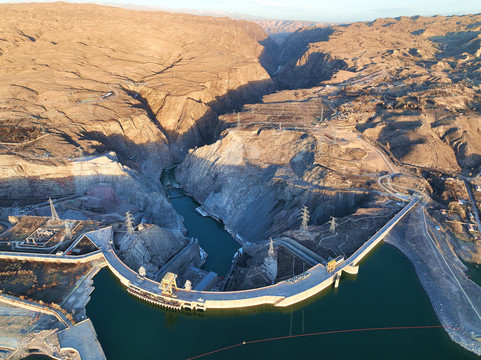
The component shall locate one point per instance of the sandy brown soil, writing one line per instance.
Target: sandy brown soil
(40, 281)
(412, 84)
(142, 83)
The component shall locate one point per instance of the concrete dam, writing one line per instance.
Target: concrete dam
(167, 294)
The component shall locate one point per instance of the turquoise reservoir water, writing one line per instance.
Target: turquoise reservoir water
(385, 293)
(475, 273)
(218, 243)
(130, 329)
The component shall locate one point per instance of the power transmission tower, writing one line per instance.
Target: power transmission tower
(53, 211)
(332, 229)
(68, 230)
(270, 252)
(129, 222)
(304, 216)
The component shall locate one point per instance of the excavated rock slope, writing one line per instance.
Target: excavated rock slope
(150, 247)
(25, 180)
(257, 179)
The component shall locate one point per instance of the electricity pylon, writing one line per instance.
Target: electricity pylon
(304, 216)
(68, 230)
(271, 248)
(129, 222)
(53, 211)
(332, 229)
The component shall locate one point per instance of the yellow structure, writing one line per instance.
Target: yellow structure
(168, 284)
(332, 264)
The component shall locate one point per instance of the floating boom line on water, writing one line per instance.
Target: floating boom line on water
(324, 333)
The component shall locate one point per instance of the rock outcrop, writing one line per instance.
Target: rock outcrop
(257, 180)
(151, 247)
(411, 84)
(148, 85)
(21, 179)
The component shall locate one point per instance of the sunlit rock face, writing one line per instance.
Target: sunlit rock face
(257, 181)
(148, 85)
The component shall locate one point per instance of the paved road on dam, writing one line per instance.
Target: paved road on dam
(282, 294)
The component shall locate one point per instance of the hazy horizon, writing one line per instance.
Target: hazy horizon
(307, 10)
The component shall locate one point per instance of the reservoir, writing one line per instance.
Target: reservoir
(385, 293)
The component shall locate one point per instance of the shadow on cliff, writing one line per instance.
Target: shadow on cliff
(454, 44)
(298, 43)
(270, 55)
(309, 71)
(95, 195)
(204, 130)
(299, 65)
(256, 204)
(400, 137)
(459, 45)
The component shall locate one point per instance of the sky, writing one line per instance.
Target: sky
(326, 10)
(316, 10)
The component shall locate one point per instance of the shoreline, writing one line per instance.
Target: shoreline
(449, 304)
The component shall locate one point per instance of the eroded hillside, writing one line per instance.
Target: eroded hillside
(148, 85)
(411, 84)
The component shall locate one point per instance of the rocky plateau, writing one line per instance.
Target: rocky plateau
(96, 101)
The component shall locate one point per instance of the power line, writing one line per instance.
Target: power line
(325, 333)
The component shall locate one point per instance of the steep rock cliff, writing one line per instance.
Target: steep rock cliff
(148, 85)
(151, 247)
(24, 179)
(258, 180)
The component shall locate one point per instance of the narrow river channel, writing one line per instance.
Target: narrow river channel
(385, 293)
(218, 243)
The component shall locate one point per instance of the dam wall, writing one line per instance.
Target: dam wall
(282, 294)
